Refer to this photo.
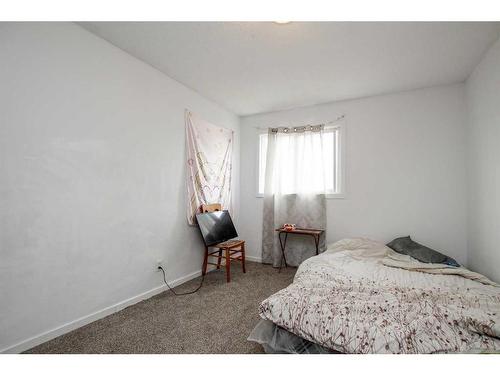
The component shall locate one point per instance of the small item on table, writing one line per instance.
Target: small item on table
(289, 227)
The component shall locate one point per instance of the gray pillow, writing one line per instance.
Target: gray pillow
(406, 246)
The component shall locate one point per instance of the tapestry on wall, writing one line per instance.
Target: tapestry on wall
(209, 165)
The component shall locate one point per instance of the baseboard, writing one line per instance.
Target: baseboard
(253, 259)
(80, 322)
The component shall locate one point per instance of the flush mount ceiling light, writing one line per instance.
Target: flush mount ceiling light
(282, 22)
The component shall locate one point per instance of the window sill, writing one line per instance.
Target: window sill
(335, 196)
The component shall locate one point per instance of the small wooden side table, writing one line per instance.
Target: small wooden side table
(232, 250)
(315, 233)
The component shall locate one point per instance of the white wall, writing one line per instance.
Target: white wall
(405, 171)
(483, 145)
(92, 179)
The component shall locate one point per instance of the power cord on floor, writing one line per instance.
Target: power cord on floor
(173, 291)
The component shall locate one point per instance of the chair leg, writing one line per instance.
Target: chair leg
(243, 256)
(205, 261)
(219, 259)
(228, 265)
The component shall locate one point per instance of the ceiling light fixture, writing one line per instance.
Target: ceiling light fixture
(282, 22)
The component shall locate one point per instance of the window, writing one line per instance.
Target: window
(297, 161)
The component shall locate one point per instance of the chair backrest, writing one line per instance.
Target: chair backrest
(211, 207)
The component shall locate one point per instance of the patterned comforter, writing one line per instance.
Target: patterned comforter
(347, 300)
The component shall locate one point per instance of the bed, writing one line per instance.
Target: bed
(359, 296)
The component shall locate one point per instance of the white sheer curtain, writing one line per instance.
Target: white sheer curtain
(296, 179)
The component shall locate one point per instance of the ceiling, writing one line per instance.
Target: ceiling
(255, 67)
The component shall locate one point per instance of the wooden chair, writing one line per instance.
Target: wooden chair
(232, 250)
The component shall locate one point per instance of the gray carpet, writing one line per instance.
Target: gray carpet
(216, 319)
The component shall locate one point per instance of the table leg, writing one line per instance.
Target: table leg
(316, 242)
(282, 245)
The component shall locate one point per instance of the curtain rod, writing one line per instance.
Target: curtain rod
(324, 124)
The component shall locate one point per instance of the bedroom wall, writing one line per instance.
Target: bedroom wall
(483, 146)
(92, 180)
(405, 168)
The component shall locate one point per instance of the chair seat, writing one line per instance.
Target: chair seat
(229, 244)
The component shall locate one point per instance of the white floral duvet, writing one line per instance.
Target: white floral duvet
(347, 300)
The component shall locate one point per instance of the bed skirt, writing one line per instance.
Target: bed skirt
(277, 340)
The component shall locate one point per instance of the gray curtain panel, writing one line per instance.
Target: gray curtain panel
(304, 210)
(293, 192)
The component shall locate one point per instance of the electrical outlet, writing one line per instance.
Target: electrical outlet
(159, 263)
